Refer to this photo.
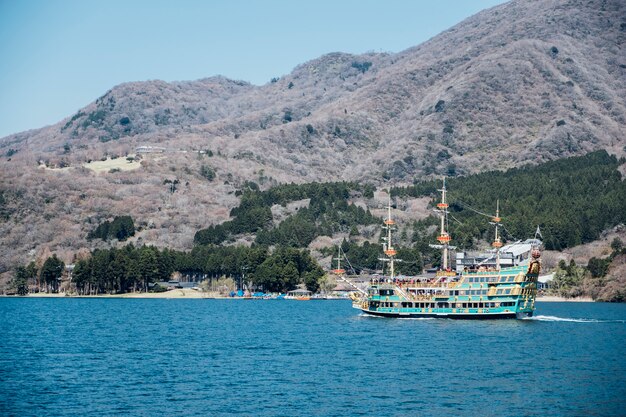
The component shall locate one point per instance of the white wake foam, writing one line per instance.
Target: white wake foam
(572, 320)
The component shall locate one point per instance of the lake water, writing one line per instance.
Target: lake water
(144, 357)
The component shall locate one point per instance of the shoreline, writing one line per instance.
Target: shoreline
(177, 293)
(194, 294)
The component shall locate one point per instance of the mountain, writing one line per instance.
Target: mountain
(523, 82)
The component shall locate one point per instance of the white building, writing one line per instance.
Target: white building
(512, 254)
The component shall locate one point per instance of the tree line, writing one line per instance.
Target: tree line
(130, 268)
(46, 277)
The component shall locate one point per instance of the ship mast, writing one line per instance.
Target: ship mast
(338, 271)
(444, 237)
(497, 243)
(389, 250)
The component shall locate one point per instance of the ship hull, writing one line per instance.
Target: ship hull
(455, 316)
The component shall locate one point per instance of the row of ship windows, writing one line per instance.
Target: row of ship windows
(510, 278)
(453, 293)
(446, 305)
(500, 291)
(503, 291)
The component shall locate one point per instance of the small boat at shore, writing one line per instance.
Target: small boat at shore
(484, 290)
(300, 295)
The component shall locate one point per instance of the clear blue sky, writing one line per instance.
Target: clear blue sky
(57, 56)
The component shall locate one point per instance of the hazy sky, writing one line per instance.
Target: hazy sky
(57, 56)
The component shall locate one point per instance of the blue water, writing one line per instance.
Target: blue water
(103, 357)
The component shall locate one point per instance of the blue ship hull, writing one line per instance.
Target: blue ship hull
(457, 316)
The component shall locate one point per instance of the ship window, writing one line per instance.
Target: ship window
(510, 279)
(507, 291)
(499, 291)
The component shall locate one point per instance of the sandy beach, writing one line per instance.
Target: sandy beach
(177, 293)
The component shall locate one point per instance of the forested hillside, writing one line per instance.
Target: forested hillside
(572, 200)
(327, 212)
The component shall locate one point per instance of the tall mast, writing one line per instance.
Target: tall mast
(497, 243)
(390, 251)
(338, 271)
(444, 237)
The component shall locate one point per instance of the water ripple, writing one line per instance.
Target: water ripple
(211, 357)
